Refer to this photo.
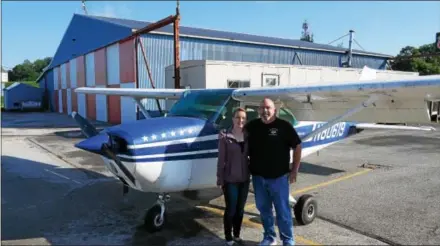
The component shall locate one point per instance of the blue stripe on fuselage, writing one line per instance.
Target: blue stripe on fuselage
(335, 133)
(177, 148)
(173, 158)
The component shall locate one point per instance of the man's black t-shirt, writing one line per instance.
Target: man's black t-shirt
(269, 147)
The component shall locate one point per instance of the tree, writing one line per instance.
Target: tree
(427, 65)
(28, 71)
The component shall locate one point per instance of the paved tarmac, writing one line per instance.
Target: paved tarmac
(380, 187)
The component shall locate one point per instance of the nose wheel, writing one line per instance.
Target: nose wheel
(155, 217)
(305, 209)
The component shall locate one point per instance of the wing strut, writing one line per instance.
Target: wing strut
(373, 98)
(141, 106)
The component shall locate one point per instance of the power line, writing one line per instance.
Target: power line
(358, 44)
(339, 38)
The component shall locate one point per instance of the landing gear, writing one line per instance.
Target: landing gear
(305, 209)
(155, 217)
(125, 189)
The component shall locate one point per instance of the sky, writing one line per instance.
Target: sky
(33, 30)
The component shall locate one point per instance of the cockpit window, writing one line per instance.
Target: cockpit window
(288, 116)
(284, 113)
(252, 112)
(199, 104)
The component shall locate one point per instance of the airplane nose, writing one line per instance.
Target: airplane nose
(94, 143)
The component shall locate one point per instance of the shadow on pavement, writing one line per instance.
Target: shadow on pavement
(79, 210)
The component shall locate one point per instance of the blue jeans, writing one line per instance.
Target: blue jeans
(276, 192)
(235, 198)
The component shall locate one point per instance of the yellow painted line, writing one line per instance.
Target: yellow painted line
(249, 223)
(316, 186)
(342, 178)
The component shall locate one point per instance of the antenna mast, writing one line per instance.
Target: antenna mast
(84, 6)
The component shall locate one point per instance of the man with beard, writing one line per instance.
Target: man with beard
(268, 142)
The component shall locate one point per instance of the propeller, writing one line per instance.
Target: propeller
(107, 150)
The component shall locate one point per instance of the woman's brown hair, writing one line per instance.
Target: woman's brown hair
(239, 109)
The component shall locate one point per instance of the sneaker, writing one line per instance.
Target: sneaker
(268, 242)
(238, 239)
(230, 243)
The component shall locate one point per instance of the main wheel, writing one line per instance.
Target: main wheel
(152, 220)
(305, 209)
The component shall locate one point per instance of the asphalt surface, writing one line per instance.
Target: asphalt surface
(53, 193)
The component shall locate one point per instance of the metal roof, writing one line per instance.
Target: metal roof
(233, 36)
(93, 32)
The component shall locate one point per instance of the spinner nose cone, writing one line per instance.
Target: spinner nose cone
(94, 143)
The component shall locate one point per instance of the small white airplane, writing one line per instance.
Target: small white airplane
(178, 151)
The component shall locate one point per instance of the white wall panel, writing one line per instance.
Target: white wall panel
(128, 105)
(60, 101)
(63, 76)
(69, 101)
(112, 59)
(101, 106)
(90, 69)
(73, 82)
(82, 108)
(55, 78)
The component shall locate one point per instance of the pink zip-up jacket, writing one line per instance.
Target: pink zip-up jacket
(232, 164)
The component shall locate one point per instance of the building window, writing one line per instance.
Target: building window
(239, 83)
(270, 80)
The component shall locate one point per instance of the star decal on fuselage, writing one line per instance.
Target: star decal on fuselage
(172, 133)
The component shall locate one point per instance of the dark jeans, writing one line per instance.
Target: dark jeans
(235, 199)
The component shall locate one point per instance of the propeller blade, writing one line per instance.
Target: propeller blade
(86, 127)
(106, 150)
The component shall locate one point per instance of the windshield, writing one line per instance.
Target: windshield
(199, 104)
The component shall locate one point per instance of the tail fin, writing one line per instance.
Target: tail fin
(86, 127)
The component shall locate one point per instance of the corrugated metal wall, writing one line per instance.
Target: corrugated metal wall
(47, 83)
(159, 52)
(19, 92)
(112, 66)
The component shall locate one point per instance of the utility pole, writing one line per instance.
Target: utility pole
(350, 49)
(177, 48)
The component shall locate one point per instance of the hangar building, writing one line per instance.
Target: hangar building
(95, 52)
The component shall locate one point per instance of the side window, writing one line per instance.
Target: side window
(286, 115)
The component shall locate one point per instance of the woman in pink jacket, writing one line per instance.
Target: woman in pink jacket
(233, 175)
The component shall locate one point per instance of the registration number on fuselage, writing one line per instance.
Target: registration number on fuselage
(335, 131)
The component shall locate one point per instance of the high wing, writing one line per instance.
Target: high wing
(397, 101)
(134, 92)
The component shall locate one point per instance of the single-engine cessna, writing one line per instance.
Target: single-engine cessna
(178, 151)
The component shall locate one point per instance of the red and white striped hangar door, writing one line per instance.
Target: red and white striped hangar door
(112, 67)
